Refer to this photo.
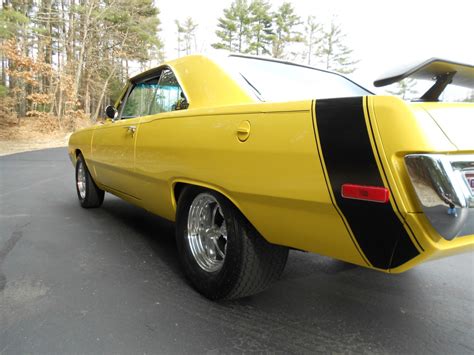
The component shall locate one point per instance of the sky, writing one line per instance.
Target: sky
(383, 34)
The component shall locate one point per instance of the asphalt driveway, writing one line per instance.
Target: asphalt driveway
(108, 281)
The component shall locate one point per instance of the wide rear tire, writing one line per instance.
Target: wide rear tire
(222, 254)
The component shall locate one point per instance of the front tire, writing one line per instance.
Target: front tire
(89, 195)
(222, 254)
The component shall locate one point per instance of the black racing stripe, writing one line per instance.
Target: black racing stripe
(328, 185)
(386, 178)
(349, 158)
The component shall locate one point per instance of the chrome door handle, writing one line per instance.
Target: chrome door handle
(131, 129)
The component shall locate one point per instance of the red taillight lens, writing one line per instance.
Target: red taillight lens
(365, 193)
(470, 179)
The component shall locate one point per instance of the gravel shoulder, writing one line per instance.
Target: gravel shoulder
(30, 135)
(19, 146)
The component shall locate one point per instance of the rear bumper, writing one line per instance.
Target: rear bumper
(434, 246)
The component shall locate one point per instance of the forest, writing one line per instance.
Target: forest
(63, 61)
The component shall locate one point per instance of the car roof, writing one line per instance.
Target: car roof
(210, 81)
(204, 81)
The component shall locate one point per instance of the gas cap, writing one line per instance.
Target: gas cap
(243, 131)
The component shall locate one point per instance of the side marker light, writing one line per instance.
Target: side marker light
(365, 193)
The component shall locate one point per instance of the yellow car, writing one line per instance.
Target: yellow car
(251, 157)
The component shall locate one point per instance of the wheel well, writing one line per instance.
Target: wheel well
(77, 152)
(178, 188)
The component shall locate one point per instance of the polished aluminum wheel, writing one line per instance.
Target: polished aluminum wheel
(81, 179)
(207, 232)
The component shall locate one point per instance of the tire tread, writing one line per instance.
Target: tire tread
(262, 265)
(94, 195)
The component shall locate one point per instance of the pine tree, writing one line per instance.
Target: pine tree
(179, 39)
(187, 35)
(313, 37)
(261, 28)
(333, 51)
(286, 29)
(405, 89)
(15, 25)
(66, 57)
(234, 27)
(227, 31)
(11, 22)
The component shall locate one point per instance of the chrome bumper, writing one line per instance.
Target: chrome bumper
(444, 185)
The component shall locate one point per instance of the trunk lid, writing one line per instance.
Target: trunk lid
(456, 120)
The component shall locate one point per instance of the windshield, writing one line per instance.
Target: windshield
(277, 81)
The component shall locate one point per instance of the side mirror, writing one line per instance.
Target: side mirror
(111, 112)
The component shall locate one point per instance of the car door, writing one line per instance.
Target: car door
(113, 144)
(154, 160)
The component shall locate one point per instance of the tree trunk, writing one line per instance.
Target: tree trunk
(4, 75)
(102, 94)
(85, 35)
(87, 98)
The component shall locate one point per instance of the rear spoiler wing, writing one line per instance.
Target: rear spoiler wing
(444, 72)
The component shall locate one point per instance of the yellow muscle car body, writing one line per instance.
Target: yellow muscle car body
(365, 179)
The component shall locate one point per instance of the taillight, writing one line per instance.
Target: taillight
(470, 180)
(444, 185)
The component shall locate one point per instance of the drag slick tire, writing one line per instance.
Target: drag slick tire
(89, 195)
(222, 254)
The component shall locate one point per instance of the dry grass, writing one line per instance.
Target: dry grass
(32, 133)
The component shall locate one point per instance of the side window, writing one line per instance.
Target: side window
(169, 96)
(155, 95)
(139, 99)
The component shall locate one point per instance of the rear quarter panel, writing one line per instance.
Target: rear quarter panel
(275, 178)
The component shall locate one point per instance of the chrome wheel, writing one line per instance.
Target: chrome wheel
(81, 179)
(207, 232)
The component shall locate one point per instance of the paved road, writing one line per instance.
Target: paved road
(108, 281)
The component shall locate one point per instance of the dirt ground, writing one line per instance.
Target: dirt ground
(29, 134)
(18, 146)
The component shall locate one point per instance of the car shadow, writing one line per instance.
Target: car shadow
(159, 236)
(318, 300)
(156, 232)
